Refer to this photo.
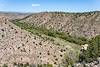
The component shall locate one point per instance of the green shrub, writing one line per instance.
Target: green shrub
(93, 51)
(45, 65)
(51, 34)
(5, 65)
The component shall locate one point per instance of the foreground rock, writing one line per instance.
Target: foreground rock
(92, 64)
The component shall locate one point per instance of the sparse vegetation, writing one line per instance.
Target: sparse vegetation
(89, 55)
(32, 65)
(42, 30)
(60, 33)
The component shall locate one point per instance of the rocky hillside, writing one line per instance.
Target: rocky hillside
(77, 24)
(49, 38)
(19, 46)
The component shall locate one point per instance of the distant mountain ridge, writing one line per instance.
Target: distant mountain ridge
(13, 15)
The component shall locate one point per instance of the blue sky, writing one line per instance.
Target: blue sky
(49, 5)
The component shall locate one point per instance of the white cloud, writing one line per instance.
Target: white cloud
(35, 5)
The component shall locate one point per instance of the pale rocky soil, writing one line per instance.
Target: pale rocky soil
(77, 24)
(17, 45)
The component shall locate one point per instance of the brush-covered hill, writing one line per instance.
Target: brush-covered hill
(17, 46)
(78, 24)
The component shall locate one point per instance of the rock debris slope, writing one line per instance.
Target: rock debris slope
(19, 46)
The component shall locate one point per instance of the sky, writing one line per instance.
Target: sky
(49, 5)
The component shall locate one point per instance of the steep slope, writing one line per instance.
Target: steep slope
(19, 46)
(77, 24)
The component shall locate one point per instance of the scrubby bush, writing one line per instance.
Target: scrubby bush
(5, 65)
(93, 51)
(45, 65)
(21, 65)
(51, 34)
